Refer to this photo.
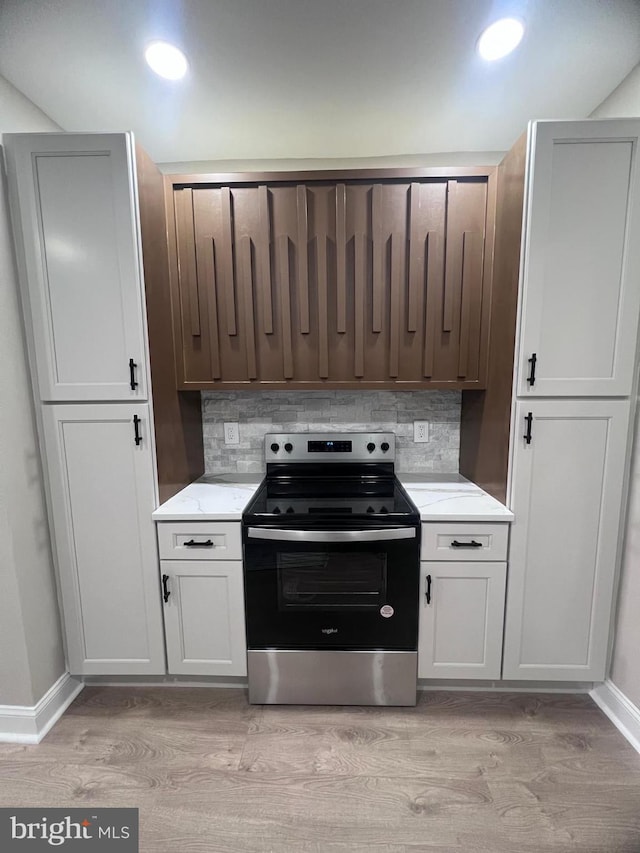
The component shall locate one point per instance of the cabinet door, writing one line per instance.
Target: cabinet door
(580, 301)
(461, 620)
(204, 617)
(102, 497)
(566, 495)
(75, 221)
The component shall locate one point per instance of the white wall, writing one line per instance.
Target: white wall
(625, 669)
(410, 161)
(624, 100)
(31, 653)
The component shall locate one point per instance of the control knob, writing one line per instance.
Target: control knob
(288, 447)
(275, 447)
(384, 446)
(289, 509)
(371, 447)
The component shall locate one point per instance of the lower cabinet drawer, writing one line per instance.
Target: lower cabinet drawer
(461, 620)
(200, 540)
(464, 541)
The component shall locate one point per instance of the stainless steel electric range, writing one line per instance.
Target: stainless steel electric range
(331, 560)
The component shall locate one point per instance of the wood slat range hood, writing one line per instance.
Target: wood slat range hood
(362, 279)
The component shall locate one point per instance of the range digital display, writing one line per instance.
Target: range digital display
(329, 446)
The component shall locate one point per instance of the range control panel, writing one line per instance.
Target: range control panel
(330, 447)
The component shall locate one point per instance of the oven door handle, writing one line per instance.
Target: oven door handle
(331, 535)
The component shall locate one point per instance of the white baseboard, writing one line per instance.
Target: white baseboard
(29, 724)
(482, 686)
(238, 682)
(621, 711)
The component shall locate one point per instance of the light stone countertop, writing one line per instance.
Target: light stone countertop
(439, 497)
(210, 498)
(451, 497)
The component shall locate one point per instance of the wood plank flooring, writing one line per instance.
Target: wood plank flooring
(490, 772)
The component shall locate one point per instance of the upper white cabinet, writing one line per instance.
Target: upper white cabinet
(567, 496)
(100, 467)
(580, 297)
(75, 221)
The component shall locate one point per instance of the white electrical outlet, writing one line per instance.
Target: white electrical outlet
(421, 430)
(231, 434)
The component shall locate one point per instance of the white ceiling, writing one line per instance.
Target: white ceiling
(315, 78)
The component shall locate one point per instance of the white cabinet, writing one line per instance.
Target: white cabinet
(204, 617)
(75, 221)
(73, 203)
(567, 497)
(199, 540)
(464, 540)
(461, 619)
(580, 299)
(203, 593)
(102, 497)
(462, 588)
(579, 307)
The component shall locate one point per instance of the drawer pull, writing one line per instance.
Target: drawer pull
(165, 588)
(472, 544)
(193, 544)
(428, 589)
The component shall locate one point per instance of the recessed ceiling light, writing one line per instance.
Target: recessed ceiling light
(500, 38)
(166, 60)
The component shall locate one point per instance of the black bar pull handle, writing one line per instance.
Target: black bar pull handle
(531, 378)
(193, 544)
(136, 430)
(472, 544)
(528, 419)
(428, 590)
(165, 588)
(132, 374)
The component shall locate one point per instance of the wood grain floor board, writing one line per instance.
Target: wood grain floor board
(457, 755)
(137, 742)
(306, 810)
(473, 772)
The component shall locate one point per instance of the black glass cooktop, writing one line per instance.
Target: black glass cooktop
(320, 500)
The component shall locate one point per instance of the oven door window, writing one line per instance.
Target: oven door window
(331, 580)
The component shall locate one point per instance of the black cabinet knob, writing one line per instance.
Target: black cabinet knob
(288, 447)
(384, 446)
(275, 447)
(371, 447)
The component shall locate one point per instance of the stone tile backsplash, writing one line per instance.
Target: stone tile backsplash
(260, 412)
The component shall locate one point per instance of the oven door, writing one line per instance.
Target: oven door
(339, 589)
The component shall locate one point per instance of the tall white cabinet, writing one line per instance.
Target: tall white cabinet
(580, 297)
(75, 217)
(74, 211)
(574, 396)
